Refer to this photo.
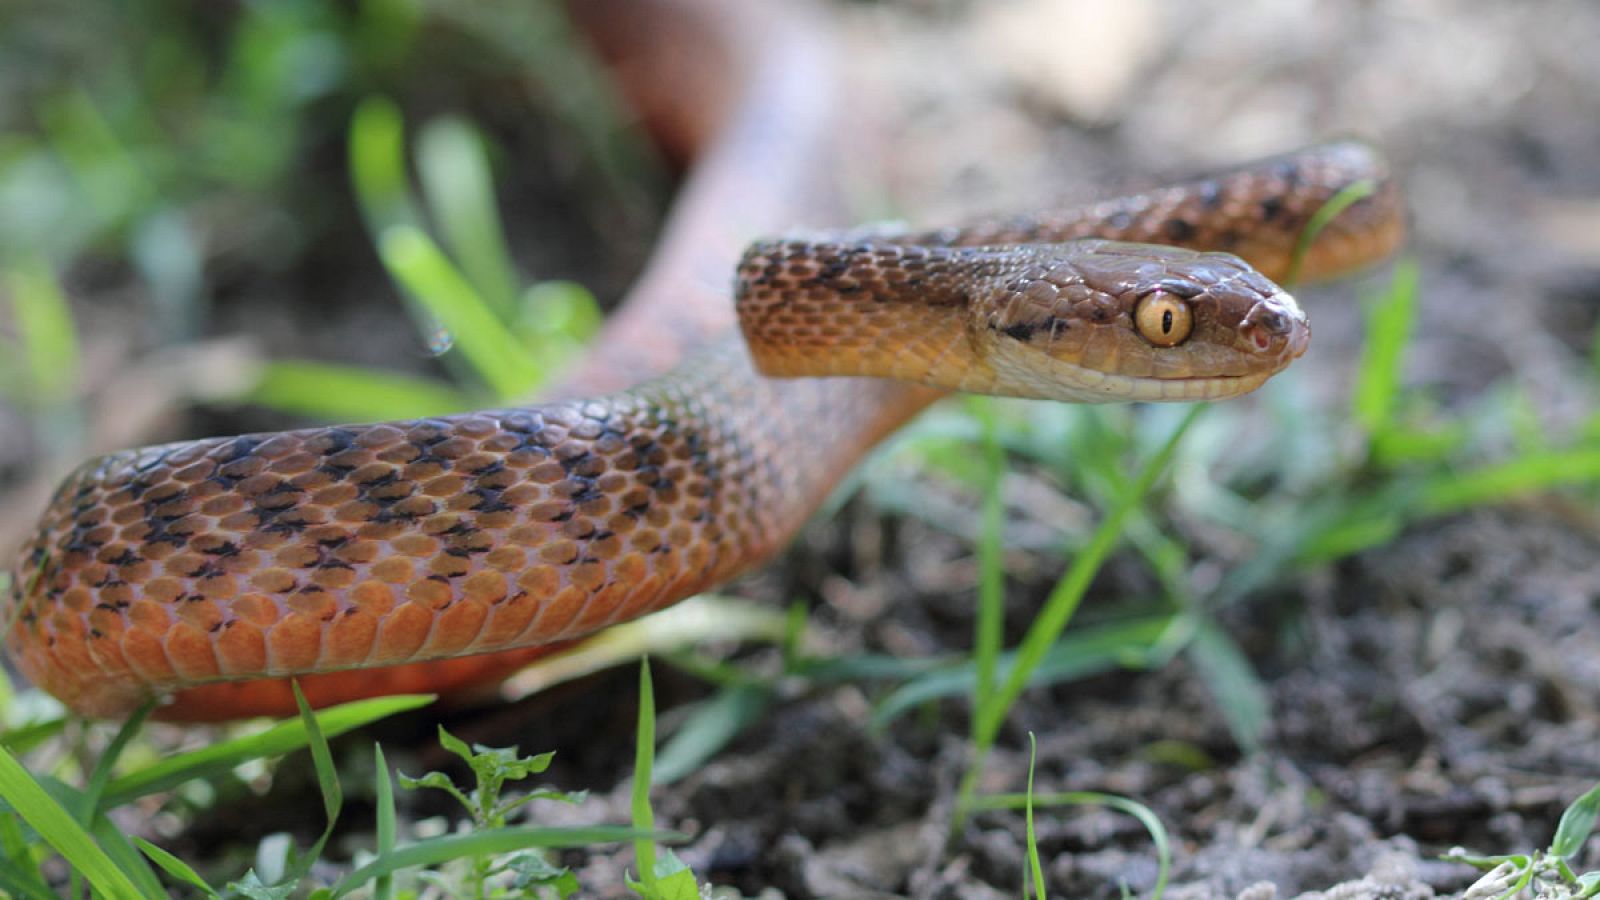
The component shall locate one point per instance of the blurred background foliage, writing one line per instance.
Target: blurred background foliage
(217, 161)
(341, 180)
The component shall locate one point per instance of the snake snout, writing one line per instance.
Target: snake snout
(1276, 326)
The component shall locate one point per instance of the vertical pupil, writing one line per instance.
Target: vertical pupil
(1166, 321)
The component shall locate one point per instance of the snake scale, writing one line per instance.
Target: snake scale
(441, 554)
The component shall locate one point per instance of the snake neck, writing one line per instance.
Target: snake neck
(839, 308)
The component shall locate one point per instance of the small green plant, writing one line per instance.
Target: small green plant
(1542, 873)
(491, 808)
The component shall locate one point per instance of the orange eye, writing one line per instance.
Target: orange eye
(1163, 319)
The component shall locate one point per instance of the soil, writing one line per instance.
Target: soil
(1437, 691)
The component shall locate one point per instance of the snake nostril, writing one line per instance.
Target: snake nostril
(1260, 335)
(1274, 322)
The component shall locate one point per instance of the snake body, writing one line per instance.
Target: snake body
(438, 554)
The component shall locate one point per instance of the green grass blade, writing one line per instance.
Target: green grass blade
(383, 887)
(991, 567)
(1388, 331)
(454, 169)
(1138, 644)
(327, 784)
(352, 394)
(644, 818)
(1402, 445)
(378, 166)
(1145, 815)
(321, 758)
(490, 842)
(557, 316)
(13, 844)
(281, 738)
(61, 831)
(713, 671)
(119, 846)
(1519, 477)
(175, 867)
(21, 740)
(1227, 674)
(864, 667)
(1338, 203)
(1334, 527)
(494, 353)
(49, 339)
(792, 644)
(709, 728)
(111, 838)
(18, 882)
(108, 761)
(1035, 869)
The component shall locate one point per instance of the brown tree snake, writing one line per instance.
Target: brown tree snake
(440, 553)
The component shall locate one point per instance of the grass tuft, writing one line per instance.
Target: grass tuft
(1058, 609)
(349, 393)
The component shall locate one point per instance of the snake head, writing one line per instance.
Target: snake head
(1100, 321)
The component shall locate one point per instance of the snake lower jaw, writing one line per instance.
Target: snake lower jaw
(1125, 389)
(1026, 372)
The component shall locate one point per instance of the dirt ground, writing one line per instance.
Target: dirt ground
(1438, 691)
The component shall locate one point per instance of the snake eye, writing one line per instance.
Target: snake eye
(1163, 319)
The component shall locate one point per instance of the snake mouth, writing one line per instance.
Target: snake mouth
(1138, 389)
(1029, 372)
